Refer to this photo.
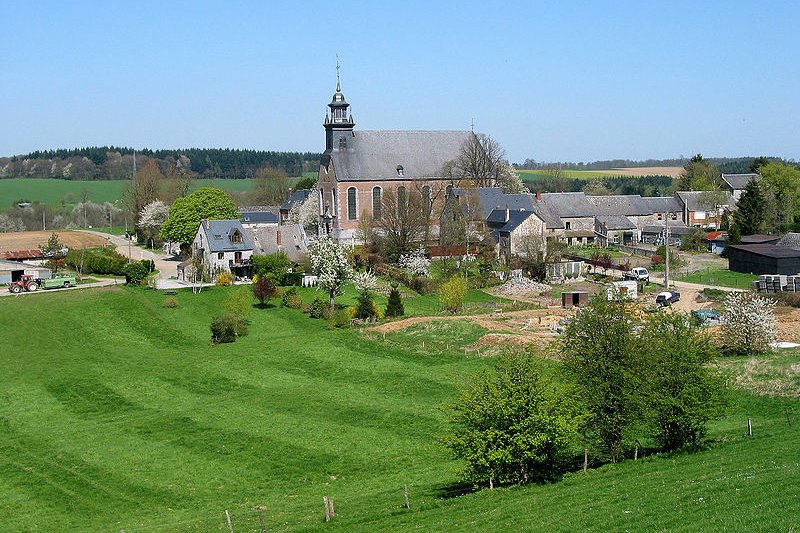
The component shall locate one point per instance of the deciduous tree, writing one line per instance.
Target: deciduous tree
(330, 263)
(264, 290)
(186, 213)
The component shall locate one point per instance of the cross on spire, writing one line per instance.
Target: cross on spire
(338, 87)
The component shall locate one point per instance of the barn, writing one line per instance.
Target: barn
(764, 259)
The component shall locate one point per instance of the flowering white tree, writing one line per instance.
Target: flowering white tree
(329, 262)
(416, 262)
(153, 215)
(305, 212)
(749, 322)
(509, 180)
(364, 280)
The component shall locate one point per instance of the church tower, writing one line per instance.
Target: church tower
(338, 123)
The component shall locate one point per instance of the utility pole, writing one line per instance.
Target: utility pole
(44, 227)
(666, 251)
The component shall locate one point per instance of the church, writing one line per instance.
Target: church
(358, 168)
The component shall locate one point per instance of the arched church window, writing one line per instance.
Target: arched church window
(376, 203)
(352, 205)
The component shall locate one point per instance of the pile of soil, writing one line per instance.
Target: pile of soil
(516, 286)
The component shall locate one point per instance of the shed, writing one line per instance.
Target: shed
(574, 299)
(622, 289)
(11, 271)
(764, 259)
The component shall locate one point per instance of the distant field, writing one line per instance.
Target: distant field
(533, 175)
(54, 192)
(30, 240)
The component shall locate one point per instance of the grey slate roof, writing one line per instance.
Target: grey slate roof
(739, 181)
(219, 232)
(497, 219)
(768, 250)
(568, 204)
(258, 217)
(491, 198)
(662, 204)
(759, 239)
(628, 205)
(616, 222)
(694, 200)
(372, 155)
(294, 242)
(298, 196)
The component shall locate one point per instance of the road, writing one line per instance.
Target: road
(101, 283)
(166, 264)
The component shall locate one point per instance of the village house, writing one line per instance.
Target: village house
(358, 168)
(735, 184)
(701, 209)
(224, 246)
(259, 216)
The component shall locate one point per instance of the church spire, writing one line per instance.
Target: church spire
(338, 120)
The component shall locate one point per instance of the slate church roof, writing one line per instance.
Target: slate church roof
(380, 155)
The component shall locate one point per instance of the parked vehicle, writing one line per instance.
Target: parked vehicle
(29, 284)
(667, 298)
(637, 273)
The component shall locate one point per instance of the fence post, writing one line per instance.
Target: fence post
(405, 494)
(261, 519)
(228, 518)
(749, 427)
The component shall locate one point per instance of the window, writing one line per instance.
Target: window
(221, 255)
(376, 203)
(236, 237)
(660, 216)
(342, 143)
(400, 170)
(352, 207)
(567, 225)
(426, 197)
(402, 200)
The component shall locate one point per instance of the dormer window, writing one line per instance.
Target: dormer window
(342, 143)
(400, 170)
(236, 238)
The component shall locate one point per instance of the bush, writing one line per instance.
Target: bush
(223, 279)
(226, 328)
(452, 294)
(291, 299)
(340, 318)
(394, 306)
(422, 285)
(104, 260)
(274, 267)
(264, 290)
(657, 259)
(318, 308)
(791, 299)
(169, 303)
(135, 273)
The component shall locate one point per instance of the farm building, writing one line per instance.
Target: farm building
(715, 241)
(11, 271)
(782, 257)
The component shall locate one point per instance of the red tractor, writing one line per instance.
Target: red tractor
(25, 283)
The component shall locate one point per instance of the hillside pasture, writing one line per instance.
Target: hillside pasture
(534, 175)
(122, 415)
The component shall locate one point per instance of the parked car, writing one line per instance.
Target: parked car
(638, 274)
(667, 298)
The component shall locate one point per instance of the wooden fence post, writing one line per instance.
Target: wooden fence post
(405, 493)
(261, 519)
(585, 459)
(749, 427)
(228, 518)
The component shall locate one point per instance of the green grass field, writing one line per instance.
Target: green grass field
(117, 413)
(53, 191)
(721, 277)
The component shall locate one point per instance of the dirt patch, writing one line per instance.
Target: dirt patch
(788, 319)
(30, 240)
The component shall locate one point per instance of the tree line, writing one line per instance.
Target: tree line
(116, 163)
(729, 165)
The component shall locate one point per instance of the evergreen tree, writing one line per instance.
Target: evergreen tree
(750, 210)
(394, 307)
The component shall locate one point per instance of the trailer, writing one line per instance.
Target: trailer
(28, 283)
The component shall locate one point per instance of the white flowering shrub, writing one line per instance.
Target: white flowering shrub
(329, 262)
(749, 322)
(365, 280)
(153, 215)
(305, 212)
(416, 262)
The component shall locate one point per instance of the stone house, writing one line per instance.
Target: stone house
(224, 246)
(735, 184)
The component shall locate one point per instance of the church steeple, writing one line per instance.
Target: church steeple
(338, 121)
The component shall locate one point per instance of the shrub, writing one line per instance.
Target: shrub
(416, 262)
(169, 303)
(223, 279)
(749, 322)
(274, 267)
(104, 260)
(394, 306)
(291, 299)
(423, 285)
(340, 318)
(656, 259)
(318, 308)
(264, 290)
(452, 294)
(135, 273)
(792, 299)
(227, 327)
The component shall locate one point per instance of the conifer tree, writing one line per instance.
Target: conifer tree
(394, 307)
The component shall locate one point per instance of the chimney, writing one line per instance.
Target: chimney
(507, 214)
(278, 237)
(538, 196)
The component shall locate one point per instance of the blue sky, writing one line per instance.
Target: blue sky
(569, 81)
